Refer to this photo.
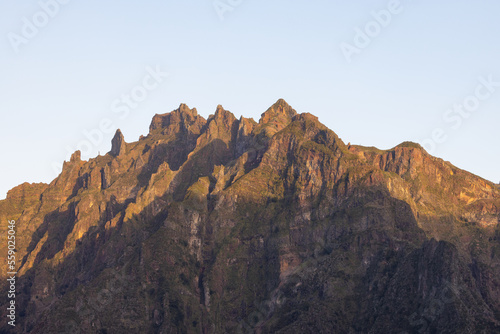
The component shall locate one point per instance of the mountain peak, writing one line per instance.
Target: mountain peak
(274, 119)
(184, 109)
(281, 102)
(410, 144)
(76, 156)
(220, 125)
(118, 145)
(182, 117)
(220, 112)
(280, 111)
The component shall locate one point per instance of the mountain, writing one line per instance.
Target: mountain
(226, 225)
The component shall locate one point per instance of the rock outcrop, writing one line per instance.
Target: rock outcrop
(118, 145)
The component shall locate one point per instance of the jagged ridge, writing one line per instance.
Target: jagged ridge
(209, 218)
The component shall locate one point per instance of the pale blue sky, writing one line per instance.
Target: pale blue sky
(429, 57)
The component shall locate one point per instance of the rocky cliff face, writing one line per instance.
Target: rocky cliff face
(236, 226)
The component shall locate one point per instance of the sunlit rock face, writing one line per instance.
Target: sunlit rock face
(226, 225)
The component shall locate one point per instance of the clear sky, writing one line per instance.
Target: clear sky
(376, 72)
